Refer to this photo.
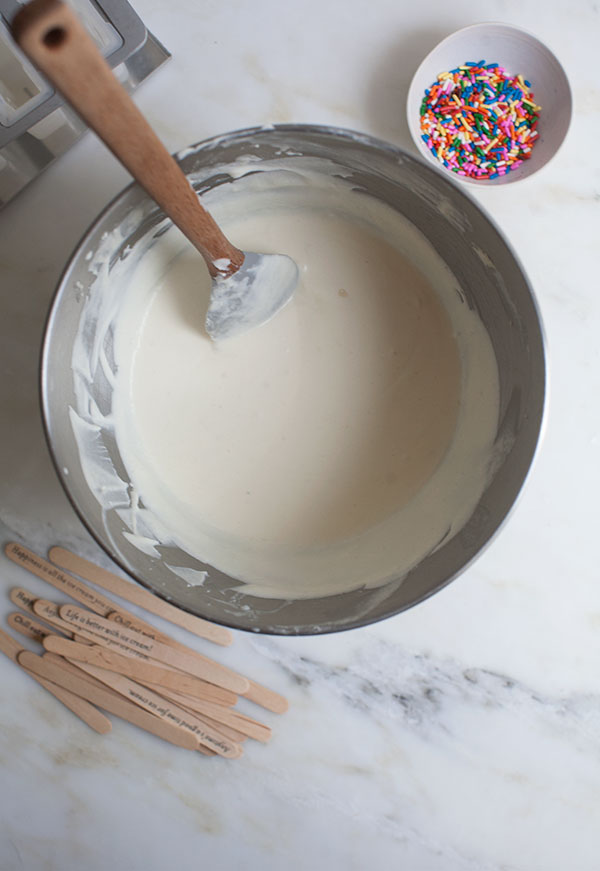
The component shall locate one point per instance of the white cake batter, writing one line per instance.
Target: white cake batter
(337, 444)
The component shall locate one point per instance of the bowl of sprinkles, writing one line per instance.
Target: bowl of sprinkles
(490, 104)
(479, 121)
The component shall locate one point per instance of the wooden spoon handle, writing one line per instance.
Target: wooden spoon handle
(54, 39)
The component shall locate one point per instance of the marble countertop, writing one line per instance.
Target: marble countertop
(463, 735)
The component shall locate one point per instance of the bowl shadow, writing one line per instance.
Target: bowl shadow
(387, 90)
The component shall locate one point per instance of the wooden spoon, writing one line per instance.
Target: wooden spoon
(247, 288)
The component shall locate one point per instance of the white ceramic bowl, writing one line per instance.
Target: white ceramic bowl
(518, 52)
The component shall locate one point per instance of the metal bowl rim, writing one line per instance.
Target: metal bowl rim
(213, 142)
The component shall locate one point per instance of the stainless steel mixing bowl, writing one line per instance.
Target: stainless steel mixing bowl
(493, 283)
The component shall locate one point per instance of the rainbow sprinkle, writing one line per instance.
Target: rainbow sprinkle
(479, 121)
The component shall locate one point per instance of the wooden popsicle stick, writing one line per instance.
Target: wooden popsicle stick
(84, 637)
(252, 729)
(143, 672)
(148, 673)
(27, 626)
(261, 695)
(138, 596)
(91, 637)
(195, 687)
(85, 710)
(178, 698)
(195, 706)
(225, 716)
(204, 692)
(81, 640)
(73, 669)
(230, 733)
(108, 700)
(22, 598)
(234, 718)
(81, 708)
(139, 625)
(63, 582)
(10, 646)
(70, 586)
(166, 710)
(256, 693)
(266, 698)
(208, 670)
(129, 621)
(69, 666)
(205, 751)
(157, 704)
(210, 734)
(97, 603)
(48, 611)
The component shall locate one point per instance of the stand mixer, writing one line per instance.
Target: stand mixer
(36, 126)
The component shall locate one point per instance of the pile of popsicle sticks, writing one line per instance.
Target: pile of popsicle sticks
(102, 656)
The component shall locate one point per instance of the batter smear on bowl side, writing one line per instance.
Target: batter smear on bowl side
(334, 446)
